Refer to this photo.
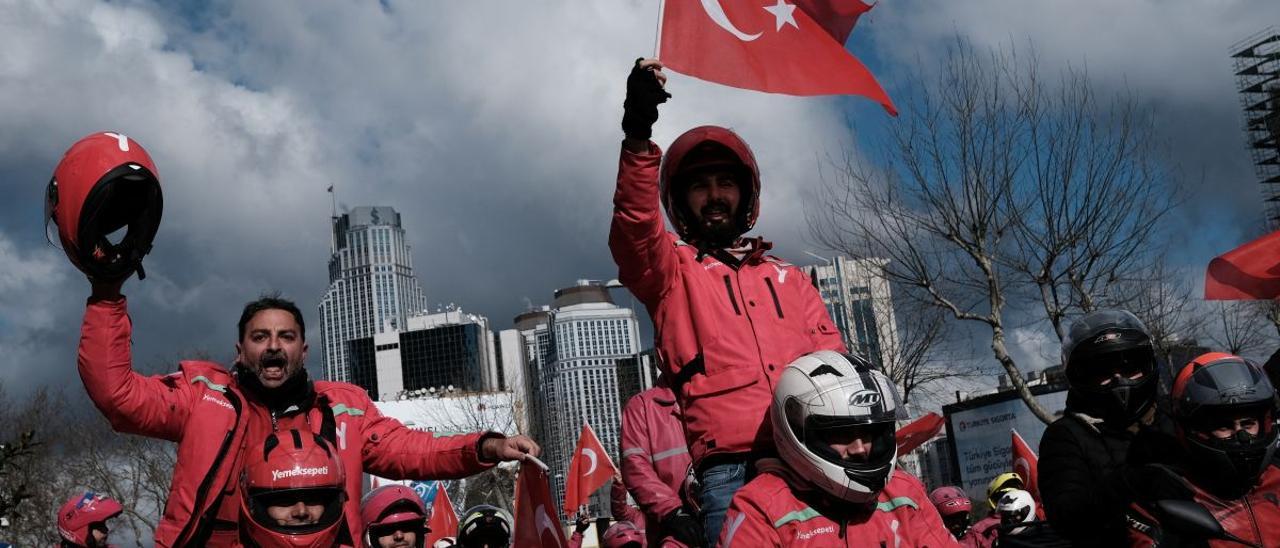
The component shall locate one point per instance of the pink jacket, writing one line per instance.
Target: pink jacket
(766, 512)
(723, 334)
(983, 534)
(655, 457)
(201, 409)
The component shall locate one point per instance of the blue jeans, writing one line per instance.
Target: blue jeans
(719, 483)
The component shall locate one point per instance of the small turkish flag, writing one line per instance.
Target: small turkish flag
(590, 469)
(1248, 272)
(536, 524)
(795, 47)
(1026, 464)
(443, 522)
(914, 435)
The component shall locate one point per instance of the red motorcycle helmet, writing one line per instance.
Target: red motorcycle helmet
(392, 505)
(623, 534)
(950, 500)
(293, 468)
(82, 511)
(105, 182)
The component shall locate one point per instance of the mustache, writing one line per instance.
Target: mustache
(272, 356)
(715, 207)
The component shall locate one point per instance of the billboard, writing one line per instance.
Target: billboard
(980, 433)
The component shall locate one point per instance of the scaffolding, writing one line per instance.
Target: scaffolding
(1257, 69)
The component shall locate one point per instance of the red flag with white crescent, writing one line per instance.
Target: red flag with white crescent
(443, 522)
(914, 435)
(590, 469)
(794, 47)
(1026, 464)
(536, 524)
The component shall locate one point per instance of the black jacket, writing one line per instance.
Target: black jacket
(1078, 466)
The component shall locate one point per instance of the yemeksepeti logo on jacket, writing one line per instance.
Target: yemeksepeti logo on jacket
(298, 470)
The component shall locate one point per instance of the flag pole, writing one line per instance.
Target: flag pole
(536, 462)
(657, 34)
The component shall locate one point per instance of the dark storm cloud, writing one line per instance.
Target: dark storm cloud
(493, 130)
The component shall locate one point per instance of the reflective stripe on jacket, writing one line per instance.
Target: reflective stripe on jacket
(766, 512)
(200, 408)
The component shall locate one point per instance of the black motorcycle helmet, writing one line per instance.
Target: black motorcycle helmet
(1210, 386)
(1099, 345)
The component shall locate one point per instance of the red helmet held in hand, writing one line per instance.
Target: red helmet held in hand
(105, 182)
(81, 513)
(393, 508)
(292, 493)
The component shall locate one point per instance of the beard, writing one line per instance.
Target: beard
(719, 232)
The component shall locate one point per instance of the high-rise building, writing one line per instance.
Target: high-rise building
(574, 348)
(446, 350)
(535, 338)
(372, 288)
(860, 302)
(636, 374)
(1257, 74)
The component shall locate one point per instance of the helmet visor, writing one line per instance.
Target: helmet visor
(297, 511)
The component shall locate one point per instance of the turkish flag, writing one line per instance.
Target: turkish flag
(590, 469)
(443, 522)
(1026, 464)
(914, 435)
(1251, 271)
(536, 524)
(794, 47)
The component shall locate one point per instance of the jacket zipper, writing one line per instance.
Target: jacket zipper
(728, 287)
(203, 490)
(776, 305)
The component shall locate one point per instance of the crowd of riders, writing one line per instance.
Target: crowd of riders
(764, 430)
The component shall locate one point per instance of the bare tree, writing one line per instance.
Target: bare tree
(471, 412)
(923, 354)
(1241, 327)
(1165, 301)
(999, 192)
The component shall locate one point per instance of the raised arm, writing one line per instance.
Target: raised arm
(639, 243)
(394, 451)
(131, 402)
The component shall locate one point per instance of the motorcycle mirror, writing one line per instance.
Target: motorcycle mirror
(1186, 518)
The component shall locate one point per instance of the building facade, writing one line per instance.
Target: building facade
(636, 374)
(860, 303)
(448, 350)
(372, 287)
(574, 347)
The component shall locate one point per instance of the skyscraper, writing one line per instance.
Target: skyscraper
(448, 349)
(372, 288)
(860, 303)
(573, 349)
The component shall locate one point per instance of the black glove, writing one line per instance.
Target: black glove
(1151, 482)
(684, 527)
(640, 109)
(582, 523)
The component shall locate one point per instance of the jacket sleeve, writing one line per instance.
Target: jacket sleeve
(747, 526)
(621, 509)
(575, 540)
(651, 493)
(637, 238)
(131, 402)
(821, 329)
(1074, 500)
(394, 451)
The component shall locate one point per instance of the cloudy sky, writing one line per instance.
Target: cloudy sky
(492, 127)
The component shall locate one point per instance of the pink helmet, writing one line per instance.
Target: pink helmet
(950, 500)
(623, 534)
(391, 504)
(83, 510)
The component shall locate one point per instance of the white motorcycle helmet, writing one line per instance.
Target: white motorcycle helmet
(446, 542)
(828, 391)
(1016, 506)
